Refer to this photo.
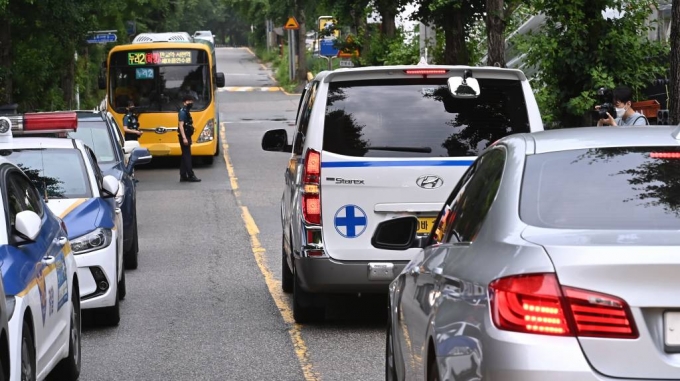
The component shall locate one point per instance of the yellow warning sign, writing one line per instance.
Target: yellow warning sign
(351, 53)
(291, 24)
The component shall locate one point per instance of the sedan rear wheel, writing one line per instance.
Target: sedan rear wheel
(433, 372)
(390, 369)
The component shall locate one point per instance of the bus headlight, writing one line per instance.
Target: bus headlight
(208, 133)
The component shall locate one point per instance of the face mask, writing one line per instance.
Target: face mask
(620, 112)
(189, 105)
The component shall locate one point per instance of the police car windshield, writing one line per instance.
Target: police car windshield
(61, 172)
(96, 136)
(610, 188)
(418, 117)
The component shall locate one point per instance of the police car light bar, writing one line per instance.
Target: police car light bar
(425, 71)
(44, 122)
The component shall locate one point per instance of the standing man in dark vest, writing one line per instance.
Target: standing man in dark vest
(131, 123)
(184, 133)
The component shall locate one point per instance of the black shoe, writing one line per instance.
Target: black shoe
(193, 179)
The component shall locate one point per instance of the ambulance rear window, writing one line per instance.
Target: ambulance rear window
(419, 118)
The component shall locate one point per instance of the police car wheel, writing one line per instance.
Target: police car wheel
(110, 316)
(122, 287)
(27, 354)
(69, 368)
(304, 309)
(286, 274)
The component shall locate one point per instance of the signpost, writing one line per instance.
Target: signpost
(291, 26)
(102, 37)
(326, 42)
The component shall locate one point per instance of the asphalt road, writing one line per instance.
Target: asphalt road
(205, 303)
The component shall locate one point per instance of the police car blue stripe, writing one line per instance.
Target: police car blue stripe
(397, 163)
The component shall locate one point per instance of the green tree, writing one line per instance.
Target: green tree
(579, 50)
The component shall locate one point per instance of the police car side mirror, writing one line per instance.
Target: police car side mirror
(27, 225)
(276, 141)
(140, 156)
(397, 234)
(110, 186)
(221, 82)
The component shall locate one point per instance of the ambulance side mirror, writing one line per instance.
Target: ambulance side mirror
(397, 234)
(276, 141)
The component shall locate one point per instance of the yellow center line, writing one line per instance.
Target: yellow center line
(273, 284)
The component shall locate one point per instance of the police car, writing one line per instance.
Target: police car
(66, 172)
(40, 282)
(373, 143)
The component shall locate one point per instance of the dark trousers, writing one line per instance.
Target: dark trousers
(185, 169)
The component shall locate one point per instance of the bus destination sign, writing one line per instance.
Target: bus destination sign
(160, 57)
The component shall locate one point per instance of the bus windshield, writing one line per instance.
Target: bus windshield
(159, 84)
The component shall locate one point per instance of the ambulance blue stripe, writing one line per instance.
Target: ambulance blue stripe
(398, 163)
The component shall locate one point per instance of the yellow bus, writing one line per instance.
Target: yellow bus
(155, 71)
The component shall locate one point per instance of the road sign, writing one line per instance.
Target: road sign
(102, 38)
(291, 24)
(327, 22)
(350, 54)
(326, 48)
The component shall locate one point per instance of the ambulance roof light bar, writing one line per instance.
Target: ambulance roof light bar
(40, 123)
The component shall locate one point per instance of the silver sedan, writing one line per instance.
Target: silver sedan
(556, 257)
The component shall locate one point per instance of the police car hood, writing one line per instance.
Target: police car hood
(83, 215)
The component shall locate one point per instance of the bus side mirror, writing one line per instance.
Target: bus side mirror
(220, 80)
(102, 83)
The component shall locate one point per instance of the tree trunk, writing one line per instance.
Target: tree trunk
(674, 106)
(455, 52)
(389, 26)
(495, 28)
(68, 82)
(5, 61)
(302, 49)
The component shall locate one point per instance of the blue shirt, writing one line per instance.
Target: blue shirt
(183, 115)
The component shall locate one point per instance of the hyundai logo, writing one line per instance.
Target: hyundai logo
(429, 182)
(161, 130)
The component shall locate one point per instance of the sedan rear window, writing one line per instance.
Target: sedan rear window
(419, 118)
(608, 188)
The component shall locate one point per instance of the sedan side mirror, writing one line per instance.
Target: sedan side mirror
(221, 82)
(276, 141)
(27, 225)
(397, 234)
(138, 156)
(110, 186)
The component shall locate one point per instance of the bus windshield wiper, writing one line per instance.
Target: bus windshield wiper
(401, 149)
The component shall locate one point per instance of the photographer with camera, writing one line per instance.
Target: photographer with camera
(620, 105)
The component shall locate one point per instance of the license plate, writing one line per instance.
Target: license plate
(671, 324)
(425, 224)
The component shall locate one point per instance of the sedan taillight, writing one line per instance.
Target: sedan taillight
(536, 303)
